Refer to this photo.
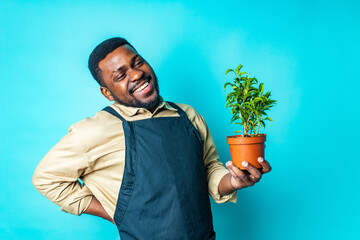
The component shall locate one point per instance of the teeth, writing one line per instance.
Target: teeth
(142, 87)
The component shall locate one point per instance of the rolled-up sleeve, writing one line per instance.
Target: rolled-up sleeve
(215, 170)
(56, 176)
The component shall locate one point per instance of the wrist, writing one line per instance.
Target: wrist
(225, 186)
(95, 208)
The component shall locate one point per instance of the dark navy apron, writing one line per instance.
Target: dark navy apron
(164, 191)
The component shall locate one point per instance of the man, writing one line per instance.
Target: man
(147, 165)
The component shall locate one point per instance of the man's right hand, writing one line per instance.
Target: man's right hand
(238, 179)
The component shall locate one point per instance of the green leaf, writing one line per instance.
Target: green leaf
(264, 99)
(252, 103)
(230, 95)
(267, 118)
(229, 70)
(261, 88)
(262, 123)
(237, 70)
(237, 105)
(257, 99)
(229, 104)
(227, 84)
(234, 118)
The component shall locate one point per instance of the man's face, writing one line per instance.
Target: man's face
(129, 79)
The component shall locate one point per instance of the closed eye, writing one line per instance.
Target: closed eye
(120, 77)
(139, 62)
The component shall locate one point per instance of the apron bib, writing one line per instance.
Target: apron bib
(164, 192)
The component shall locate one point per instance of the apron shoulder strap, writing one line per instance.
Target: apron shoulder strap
(180, 111)
(113, 112)
(186, 119)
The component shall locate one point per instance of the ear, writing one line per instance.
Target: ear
(106, 92)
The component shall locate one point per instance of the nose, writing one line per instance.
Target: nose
(135, 74)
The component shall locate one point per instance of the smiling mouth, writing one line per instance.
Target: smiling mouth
(141, 86)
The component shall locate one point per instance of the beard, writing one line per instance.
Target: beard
(147, 105)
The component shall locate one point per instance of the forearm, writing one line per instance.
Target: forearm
(95, 208)
(225, 187)
(63, 191)
(57, 174)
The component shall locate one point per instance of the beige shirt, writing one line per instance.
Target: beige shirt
(94, 151)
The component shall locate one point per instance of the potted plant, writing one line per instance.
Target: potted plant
(249, 105)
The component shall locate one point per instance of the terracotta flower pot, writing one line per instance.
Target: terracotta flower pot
(246, 149)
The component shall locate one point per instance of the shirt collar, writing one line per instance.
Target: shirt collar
(132, 111)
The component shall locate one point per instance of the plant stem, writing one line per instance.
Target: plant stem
(250, 115)
(259, 119)
(248, 121)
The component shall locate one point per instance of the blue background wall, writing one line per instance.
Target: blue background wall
(306, 52)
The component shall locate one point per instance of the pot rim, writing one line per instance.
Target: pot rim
(242, 136)
(240, 139)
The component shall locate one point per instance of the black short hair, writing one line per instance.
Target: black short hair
(100, 52)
